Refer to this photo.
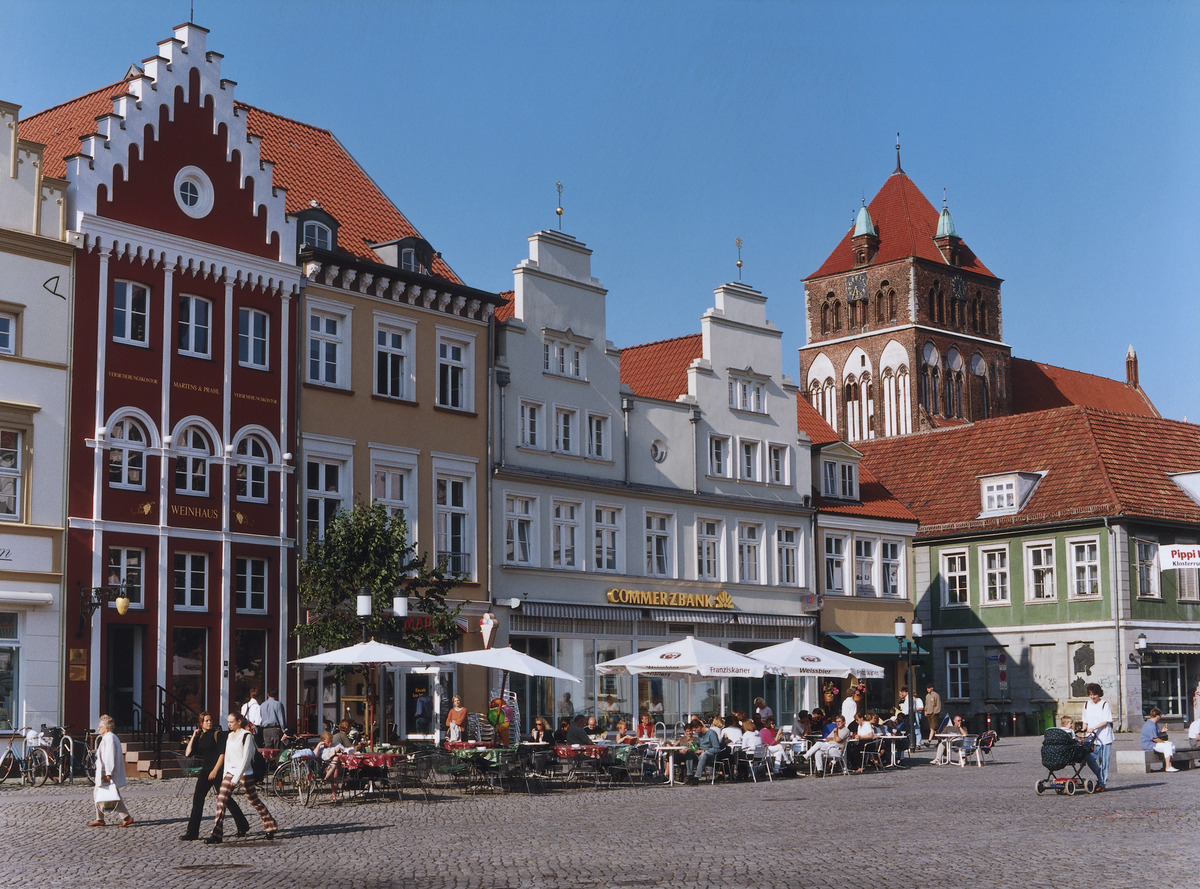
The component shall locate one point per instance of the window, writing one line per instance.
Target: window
(251, 594)
(531, 424)
(749, 538)
(777, 460)
(317, 235)
(1039, 571)
(1085, 567)
(598, 446)
(323, 495)
(749, 461)
(829, 483)
(454, 357)
(10, 475)
(718, 456)
(1147, 569)
(127, 455)
(562, 358)
(839, 479)
(565, 535)
(125, 567)
(518, 530)
(193, 451)
(408, 259)
(390, 486)
(995, 576)
(835, 566)
(849, 479)
(194, 192)
(194, 325)
(10, 663)
(251, 469)
(327, 349)
(864, 567)
(607, 534)
(958, 686)
(8, 334)
(708, 549)
(191, 581)
(565, 440)
(658, 545)
(954, 578)
(130, 319)
(787, 557)
(1188, 579)
(393, 364)
(452, 517)
(890, 551)
(252, 338)
(746, 395)
(999, 495)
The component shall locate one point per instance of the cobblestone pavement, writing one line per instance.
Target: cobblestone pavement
(963, 826)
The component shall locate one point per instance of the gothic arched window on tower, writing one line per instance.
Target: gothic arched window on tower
(879, 307)
(837, 315)
(891, 301)
(826, 312)
(852, 409)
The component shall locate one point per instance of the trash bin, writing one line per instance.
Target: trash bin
(1044, 720)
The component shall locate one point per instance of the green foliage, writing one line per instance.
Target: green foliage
(367, 548)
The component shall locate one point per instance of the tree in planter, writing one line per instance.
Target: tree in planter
(367, 548)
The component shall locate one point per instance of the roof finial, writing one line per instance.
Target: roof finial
(558, 209)
(898, 168)
(943, 198)
(738, 241)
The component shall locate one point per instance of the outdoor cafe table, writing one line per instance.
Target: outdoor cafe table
(671, 750)
(354, 763)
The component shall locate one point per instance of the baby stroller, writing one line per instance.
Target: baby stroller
(1060, 750)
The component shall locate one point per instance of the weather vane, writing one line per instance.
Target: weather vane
(738, 241)
(558, 209)
(898, 169)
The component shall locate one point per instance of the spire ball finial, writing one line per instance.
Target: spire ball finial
(738, 241)
(559, 210)
(898, 167)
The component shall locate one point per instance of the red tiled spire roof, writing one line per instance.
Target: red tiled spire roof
(1096, 463)
(659, 370)
(1038, 387)
(906, 223)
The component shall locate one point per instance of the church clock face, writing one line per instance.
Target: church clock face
(958, 287)
(856, 286)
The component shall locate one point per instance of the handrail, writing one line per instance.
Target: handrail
(171, 710)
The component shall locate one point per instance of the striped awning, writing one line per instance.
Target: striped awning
(579, 612)
(751, 619)
(1174, 648)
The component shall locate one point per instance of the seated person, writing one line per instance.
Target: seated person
(802, 724)
(708, 747)
(955, 727)
(770, 739)
(342, 735)
(610, 708)
(1067, 724)
(577, 733)
(498, 716)
(623, 735)
(645, 729)
(731, 733)
(326, 753)
(866, 727)
(595, 731)
(560, 734)
(834, 744)
(1194, 731)
(541, 733)
(816, 722)
(1154, 737)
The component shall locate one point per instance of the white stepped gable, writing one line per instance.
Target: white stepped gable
(139, 107)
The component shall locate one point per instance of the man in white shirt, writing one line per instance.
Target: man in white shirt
(918, 707)
(252, 710)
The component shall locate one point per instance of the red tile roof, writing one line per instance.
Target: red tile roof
(811, 423)
(309, 162)
(1096, 463)
(906, 223)
(506, 309)
(659, 370)
(1038, 387)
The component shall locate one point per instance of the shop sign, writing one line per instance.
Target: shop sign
(1187, 556)
(663, 599)
(23, 553)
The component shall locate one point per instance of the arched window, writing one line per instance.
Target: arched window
(983, 318)
(252, 460)
(193, 451)
(879, 307)
(127, 454)
(837, 315)
(829, 402)
(891, 300)
(826, 313)
(317, 234)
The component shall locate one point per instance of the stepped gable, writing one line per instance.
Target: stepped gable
(659, 370)
(60, 128)
(1037, 387)
(1096, 463)
(906, 223)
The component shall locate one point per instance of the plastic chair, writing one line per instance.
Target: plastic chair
(761, 762)
(835, 759)
(968, 748)
(985, 744)
(872, 755)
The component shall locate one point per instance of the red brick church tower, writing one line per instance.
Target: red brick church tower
(903, 323)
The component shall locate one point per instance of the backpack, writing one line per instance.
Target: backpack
(258, 766)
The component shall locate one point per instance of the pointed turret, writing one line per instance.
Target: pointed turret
(947, 239)
(865, 241)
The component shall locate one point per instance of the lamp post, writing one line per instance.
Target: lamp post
(363, 607)
(907, 648)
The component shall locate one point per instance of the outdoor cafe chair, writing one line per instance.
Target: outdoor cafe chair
(967, 749)
(834, 760)
(872, 755)
(761, 762)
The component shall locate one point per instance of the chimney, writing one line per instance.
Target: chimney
(1131, 368)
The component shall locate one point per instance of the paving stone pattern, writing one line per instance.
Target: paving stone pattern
(963, 827)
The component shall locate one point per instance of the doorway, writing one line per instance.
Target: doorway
(123, 698)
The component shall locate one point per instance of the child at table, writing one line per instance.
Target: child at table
(327, 752)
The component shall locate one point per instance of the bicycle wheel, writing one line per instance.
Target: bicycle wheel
(64, 760)
(286, 782)
(8, 766)
(37, 764)
(89, 766)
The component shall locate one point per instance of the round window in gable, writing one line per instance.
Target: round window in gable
(658, 451)
(194, 192)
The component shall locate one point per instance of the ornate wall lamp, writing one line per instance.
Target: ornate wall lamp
(91, 598)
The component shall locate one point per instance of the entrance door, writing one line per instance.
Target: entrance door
(418, 705)
(124, 673)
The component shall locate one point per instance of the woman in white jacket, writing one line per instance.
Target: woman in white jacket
(239, 760)
(110, 773)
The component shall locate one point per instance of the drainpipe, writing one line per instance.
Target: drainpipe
(626, 409)
(695, 420)
(1115, 590)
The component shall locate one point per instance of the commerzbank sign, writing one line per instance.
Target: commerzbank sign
(663, 599)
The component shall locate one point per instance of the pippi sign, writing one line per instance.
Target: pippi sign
(663, 599)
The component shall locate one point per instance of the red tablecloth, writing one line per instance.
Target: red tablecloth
(570, 751)
(371, 760)
(466, 745)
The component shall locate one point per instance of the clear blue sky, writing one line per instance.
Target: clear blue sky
(1065, 135)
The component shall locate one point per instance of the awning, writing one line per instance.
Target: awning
(579, 612)
(876, 645)
(1174, 648)
(665, 615)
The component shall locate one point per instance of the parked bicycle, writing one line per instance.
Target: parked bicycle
(69, 757)
(30, 763)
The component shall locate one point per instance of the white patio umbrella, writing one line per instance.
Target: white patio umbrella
(507, 659)
(799, 658)
(687, 657)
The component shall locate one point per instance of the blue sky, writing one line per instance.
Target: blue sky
(1064, 135)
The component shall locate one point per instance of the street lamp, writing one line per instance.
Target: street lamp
(365, 603)
(907, 649)
(1138, 656)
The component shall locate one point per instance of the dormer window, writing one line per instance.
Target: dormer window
(1007, 494)
(746, 394)
(318, 235)
(839, 479)
(408, 259)
(563, 356)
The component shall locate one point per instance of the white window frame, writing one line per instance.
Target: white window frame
(192, 462)
(999, 495)
(254, 336)
(1146, 564)
(455, 371)
(565, 534)
(251, 576)
(323, 454)
(454, 513)
(8, 333)
(608, 556)
(749, 460)
(1087, 565)
(330, 366)
(995, 569)
(566, 430)
(891, 570)
(251, 469)
(865, 554)
(389, 354)
(127, 565)
(718, 456)
(848, 481)
(12, 467)
(1039, 573)
(599, 440)
(314, 233)
(394, 485)
(778, 464)
(563, 358)
(958, 674)
(126, 314)
(530, 417)
(749, 548)
(709, 532)
(747, 395)
(193, 568)
(189, 328)
(834, 564)
(787, 556)
(129, 454)
(659, 536)
(520, 530)
(956, 578)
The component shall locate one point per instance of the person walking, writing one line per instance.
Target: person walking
(110, 775)
(208, 745)
(239, 761)
(1097, 721)
(252, 710)
(933, 711)
(274, 721)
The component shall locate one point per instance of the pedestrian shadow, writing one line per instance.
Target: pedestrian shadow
(331, 829)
